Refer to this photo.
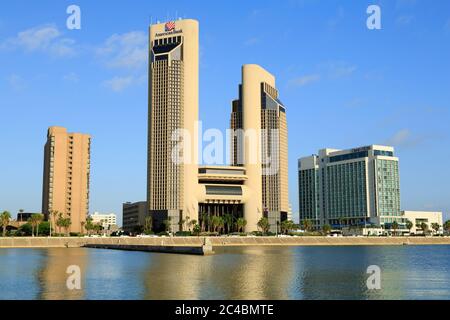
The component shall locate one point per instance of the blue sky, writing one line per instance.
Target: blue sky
(343, 85)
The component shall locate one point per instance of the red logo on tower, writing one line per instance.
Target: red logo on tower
(170, 26)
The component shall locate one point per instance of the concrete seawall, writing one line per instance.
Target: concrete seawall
(218, 242)
(198, 250)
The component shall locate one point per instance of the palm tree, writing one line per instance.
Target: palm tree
(264, 225)
(148, 224)
(66, 225)
(214, 223)
(409, 225)
(187, 222)
(52, 215)
(32, 221)
(37, 219)
(436, 227)
(241, 223)
(203, 218)
(424, 227)
(307, 225)
(287, 226)
(191, 224)
(197, 229)
(83, 223)
(89, 226)
(63, 223)
(167, 223)
(326, 228)
(221, 224)
(447, 226)
(394, 226)
(284, 227)
(228, 219)
(5, 218)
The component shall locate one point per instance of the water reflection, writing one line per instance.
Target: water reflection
(245, 273)
(255, 273)
(52, 274)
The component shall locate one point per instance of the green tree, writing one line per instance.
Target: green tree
(197, 229)
(192, 223)
(32, 221)
(395, 226)
(52, 217)
(241, 224)
(168, 224)
(204, 221)
(37, 219)
(5, 218)
(228, 219)
(436, 227)
(64, 223)
(424, 227)
(264, 225)
(148, 225)
(89, 226)
(447, 226)
(409, 225)
(287, 226)
(307, 225)
(326, 229)
(221, 225)
(215, 223)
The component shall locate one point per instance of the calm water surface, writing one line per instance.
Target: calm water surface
(233, 273)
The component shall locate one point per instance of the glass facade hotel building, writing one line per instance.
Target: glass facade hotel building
(350, 187)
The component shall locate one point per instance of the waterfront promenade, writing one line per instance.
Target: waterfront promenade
(75, 242)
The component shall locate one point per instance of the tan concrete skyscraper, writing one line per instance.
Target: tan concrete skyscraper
(66, 175)
(173, 114)
(263, 144)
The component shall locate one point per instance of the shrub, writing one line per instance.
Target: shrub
(209, 234)
(183, 234)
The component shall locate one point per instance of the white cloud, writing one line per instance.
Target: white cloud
(119, 84)
(340, 69)
(355, 103)
(340, 15)
(47, 39)
(405, 20)
(252, 41)
(16, 82)
(304, 80)
(128, 50)
(71, 77)
(404, 138)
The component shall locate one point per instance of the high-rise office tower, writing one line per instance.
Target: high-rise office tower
(259, 143)
(173, 114)
(66, 175)
(354, 187)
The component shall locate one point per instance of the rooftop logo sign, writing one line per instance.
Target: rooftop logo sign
(169, 29)
(170, 26)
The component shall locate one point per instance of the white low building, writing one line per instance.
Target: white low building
(366, 232)
(106, 220)
(419, 217)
